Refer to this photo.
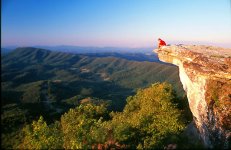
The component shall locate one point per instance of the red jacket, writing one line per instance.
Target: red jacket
(161, 43)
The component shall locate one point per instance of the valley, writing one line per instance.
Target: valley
(38, 82)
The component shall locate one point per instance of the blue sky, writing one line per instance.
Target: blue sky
(119, 23)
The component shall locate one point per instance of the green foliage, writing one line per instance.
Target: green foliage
(215, 98)
(12, 118)
(150, 119)
(150, 116)
(73, 100)
(214, 95)
(11, 140)
(41, 136)
(81, 126)
(125, 133)
(32, 92)
(86, 91)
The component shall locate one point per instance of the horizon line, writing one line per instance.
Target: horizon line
(169, 42)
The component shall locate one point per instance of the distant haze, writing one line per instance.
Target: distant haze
(83, 50)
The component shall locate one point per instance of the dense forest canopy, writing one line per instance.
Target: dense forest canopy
(150, 119)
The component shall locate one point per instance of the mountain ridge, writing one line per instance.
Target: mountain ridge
(33, 64)
(39, 82)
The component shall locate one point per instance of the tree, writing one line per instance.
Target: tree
(82, 126)
(151, 117)
(41, 136)
(149, 120)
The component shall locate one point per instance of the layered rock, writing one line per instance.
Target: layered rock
(205, 73)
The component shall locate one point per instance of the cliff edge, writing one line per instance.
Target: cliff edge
(205, 73)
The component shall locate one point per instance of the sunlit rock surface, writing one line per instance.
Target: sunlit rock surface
(205, 73)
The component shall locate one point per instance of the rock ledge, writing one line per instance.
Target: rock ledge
(205, 73)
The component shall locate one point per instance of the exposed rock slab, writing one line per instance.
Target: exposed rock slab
(205, 73)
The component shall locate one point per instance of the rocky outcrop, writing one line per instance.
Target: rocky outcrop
(205, 73)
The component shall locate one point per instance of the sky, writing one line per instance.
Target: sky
(116, 23)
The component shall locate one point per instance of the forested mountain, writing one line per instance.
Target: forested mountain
(104, 77)
(89, 50)
(84, 49)
(41, 82)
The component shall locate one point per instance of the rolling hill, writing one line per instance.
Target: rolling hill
(106, 77)
(41, 82)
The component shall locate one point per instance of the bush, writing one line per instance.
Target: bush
(150, 120)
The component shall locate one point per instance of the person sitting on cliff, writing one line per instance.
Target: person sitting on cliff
(161, 43)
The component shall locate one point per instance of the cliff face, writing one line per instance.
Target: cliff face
(205, 73)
